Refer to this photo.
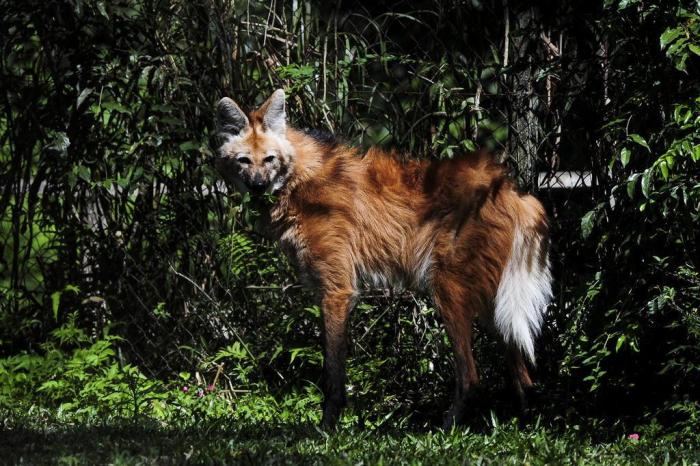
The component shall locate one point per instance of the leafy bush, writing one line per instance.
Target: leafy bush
(128, 272)
(637, 341)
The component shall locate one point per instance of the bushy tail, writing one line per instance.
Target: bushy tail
(524, 291)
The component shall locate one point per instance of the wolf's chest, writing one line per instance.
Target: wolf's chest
(292, 241)
(295, 247)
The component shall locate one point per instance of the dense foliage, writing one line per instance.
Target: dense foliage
(133, 286)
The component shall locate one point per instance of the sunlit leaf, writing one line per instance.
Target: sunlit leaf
(640, 140)
(625, 156)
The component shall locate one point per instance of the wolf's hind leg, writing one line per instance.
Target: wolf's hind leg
(519, 375)
(457, 314)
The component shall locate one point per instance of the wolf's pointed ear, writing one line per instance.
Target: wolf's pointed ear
(274, 116)
(230, 119)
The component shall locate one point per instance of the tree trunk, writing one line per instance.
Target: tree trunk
(525, 128)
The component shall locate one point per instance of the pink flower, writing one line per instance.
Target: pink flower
(185, 389)
(200, 393)
(633, 436)
(211, 388)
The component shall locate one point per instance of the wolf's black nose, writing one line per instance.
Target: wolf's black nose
(258, 186)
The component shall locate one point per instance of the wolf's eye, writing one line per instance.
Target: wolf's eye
(243, 160)
(269, 159)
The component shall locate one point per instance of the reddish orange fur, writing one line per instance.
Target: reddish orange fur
(445, 227)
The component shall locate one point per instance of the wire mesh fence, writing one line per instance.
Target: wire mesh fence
(112, 210)
(174, 315)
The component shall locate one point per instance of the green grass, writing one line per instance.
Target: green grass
(226, 441)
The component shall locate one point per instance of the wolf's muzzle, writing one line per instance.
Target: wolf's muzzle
(258, 185)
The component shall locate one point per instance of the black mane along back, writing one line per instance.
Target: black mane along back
(322, 136)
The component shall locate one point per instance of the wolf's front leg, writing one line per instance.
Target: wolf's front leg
(336, 308)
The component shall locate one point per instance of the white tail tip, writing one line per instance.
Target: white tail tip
(524, 291)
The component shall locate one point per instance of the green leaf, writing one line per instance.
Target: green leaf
(116, 107)
(102, 9)
(646, 181)
(587, 224)
(189, 146)
(694, 48)
(82, 172)
(60, 142)
(632, 184)
(620, 342)
(72, 289)
(83, 95)
(680, 62)
(640, 140)
(55, 302)
(682, 114)
(625, 156)
(625, 3)
(669, 36)
(469, 145)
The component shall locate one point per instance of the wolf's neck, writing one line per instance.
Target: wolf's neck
(304, 167)
(309, 154)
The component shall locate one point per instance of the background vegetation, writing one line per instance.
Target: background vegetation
(137, 303)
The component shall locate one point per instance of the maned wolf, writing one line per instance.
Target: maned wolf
(456, 229)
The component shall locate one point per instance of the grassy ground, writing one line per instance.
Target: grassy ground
(224, 442)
